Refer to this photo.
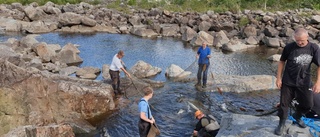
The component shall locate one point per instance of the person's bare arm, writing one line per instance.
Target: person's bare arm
(316, 86)
(143, 117)
(126, 72)
(279, 73)
(195, 133)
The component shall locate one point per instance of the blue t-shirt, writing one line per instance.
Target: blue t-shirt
(144, 107)
(203, 53)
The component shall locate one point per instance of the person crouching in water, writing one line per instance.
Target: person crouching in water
(206, 126)
(146, 118)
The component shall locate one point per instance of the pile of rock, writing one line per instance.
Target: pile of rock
(245, 29)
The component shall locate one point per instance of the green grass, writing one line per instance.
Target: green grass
(194, 5)
(244, 21)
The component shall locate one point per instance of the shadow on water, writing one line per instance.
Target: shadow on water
(172, 111)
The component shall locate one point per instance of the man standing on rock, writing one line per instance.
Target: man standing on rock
(114, 71)
(297, 58)
(204, 53)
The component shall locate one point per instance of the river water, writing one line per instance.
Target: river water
(171, 103)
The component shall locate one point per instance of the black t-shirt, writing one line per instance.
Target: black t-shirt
(299, 60)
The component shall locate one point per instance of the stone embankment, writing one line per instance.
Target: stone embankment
(230, 31)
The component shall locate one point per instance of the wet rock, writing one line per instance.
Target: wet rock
(187, 33)
(34, 13)
(174, 71)
(236, 46)
(249, 31)
(69, 18)
(202, 37)
(275, 57)
(48, 131)
(105, 72)
(143, 70)
(233, 125)
(238, 84)
(68, 70)
(88, 73)
(43, 99)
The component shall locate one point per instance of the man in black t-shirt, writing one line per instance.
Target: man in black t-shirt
(297, 58)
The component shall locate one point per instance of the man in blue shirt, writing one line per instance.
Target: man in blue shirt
(146, 118)
(203, 54)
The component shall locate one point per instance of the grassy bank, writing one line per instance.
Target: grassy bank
(194, 5)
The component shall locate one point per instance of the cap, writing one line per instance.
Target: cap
(197, 113)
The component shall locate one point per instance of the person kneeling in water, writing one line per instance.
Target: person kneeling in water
(206, 126)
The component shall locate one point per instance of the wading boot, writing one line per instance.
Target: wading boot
(280, 128)
(198, 84)
(115, 91)
(204, 86)
(299, 121)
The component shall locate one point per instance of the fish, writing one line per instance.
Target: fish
(193, 106)
(224, 107)
(181, 111)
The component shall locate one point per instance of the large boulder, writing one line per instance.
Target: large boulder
(187, 33)
(238, 84)
(10, 24)
(143, 70)
(43, 131)
(36, 98)
(69, 55)
(202, 37)
(234, 125)
(174, 71)
(69, 18)
(34, 13)
(169, 30)
(88, 73)
(249, 31)
(143, 32)
(39, 27)
(44, 52)
(105, 72)
(236, 46)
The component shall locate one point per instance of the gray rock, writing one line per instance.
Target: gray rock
(68, 70)
(143, 70)
(275, 57)
(187, 33)
(235, 125)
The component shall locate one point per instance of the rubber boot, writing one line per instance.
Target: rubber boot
(198, 84)
(204, 86)
(118, 88)
(297, 116)
(114, 89)
(280, 128)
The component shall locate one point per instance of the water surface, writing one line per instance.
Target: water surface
(170, 103)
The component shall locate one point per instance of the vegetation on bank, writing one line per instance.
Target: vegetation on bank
(192, 5)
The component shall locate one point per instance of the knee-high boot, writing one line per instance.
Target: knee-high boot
(115, 90)
(280, 128)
